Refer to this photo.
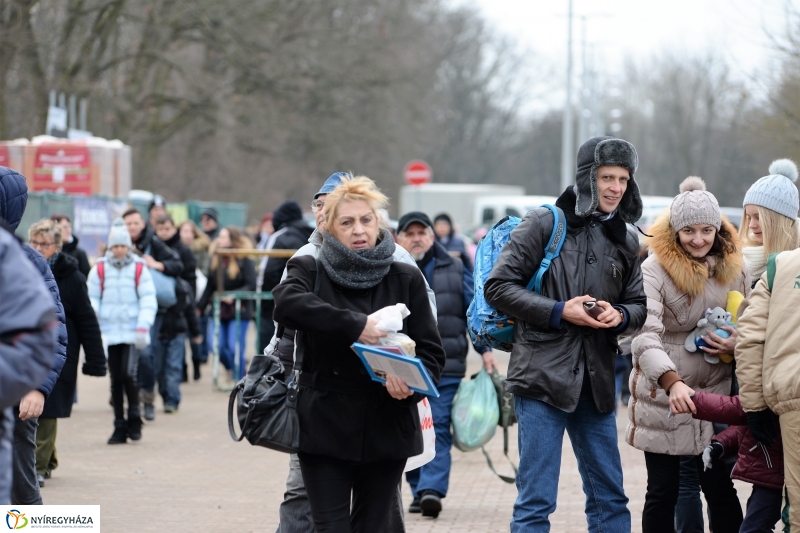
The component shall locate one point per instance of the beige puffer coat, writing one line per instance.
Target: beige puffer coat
(679, 290)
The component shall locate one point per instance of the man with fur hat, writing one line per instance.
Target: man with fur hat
(561, 369)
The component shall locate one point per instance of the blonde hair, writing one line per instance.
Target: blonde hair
(201, 241)
(238, 240)
(780, 232)
(47, 227)
(354, 189)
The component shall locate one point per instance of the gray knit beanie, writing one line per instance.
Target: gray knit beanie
(694, 205)
(776, 192)
(119, 234)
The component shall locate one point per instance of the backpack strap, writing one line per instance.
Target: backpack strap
(557, 237)
(137, 276)
(101, 274)
(771, 268)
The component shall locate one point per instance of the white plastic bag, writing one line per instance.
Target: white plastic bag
(428, 437)
(390, 318)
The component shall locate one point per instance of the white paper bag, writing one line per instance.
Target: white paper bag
(428, 437)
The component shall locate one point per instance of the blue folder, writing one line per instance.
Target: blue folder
(380, 362)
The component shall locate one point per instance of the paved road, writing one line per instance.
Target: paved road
(187, 475)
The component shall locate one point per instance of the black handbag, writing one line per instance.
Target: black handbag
(266, 405)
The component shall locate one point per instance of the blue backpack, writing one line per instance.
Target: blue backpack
(488, 326)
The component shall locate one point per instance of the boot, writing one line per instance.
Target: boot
(120, 435)
(196, 366)
(134, 424)
(184, 372)
(147, 398)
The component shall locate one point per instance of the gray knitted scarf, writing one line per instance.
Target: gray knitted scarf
(112, 260)
(357, 269)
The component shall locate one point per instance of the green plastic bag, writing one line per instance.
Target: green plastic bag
(475, 413)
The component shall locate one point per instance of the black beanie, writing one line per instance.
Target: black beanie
(288, 212)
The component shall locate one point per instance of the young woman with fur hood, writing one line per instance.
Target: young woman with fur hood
(696, 261)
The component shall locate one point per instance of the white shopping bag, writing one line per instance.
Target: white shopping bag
(428, 437)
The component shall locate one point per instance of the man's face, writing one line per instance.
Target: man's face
(208, 223)
(417, 239)
(612, 182)
(316, 208)
(135, 224)
(156, 212)
(166, 231)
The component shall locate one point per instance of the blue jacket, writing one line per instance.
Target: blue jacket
(27, 339)
(13, 196)
(41, 265)
(122, 307)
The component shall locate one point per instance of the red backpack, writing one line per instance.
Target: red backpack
(101, 273)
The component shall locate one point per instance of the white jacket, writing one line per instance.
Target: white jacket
(121, 306)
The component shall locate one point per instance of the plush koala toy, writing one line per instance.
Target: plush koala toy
(714, 320)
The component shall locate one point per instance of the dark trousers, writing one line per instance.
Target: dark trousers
(266, 330)
(200, 351)
(331, 482)
(123, 362)
(763, 510)
(663, 474)
(146, 370)
(24, 485)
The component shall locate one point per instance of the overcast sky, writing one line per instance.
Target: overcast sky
(637, 29)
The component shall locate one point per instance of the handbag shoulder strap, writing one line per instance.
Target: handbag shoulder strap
(298, 361)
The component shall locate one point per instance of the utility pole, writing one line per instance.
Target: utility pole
(567, 135)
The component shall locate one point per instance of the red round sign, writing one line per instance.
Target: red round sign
(417, 172)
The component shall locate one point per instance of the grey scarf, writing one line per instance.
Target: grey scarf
(112, 260)
(357, 269)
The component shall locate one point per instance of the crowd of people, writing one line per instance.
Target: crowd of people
(707, 403)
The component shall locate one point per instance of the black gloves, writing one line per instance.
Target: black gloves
(93, 370)
(762, 426)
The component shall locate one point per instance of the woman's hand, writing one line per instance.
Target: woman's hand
(397, 388)
(680, 398)
(718, 345)
(371, 334)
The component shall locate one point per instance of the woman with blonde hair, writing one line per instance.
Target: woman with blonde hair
(238, 274)
(769, 221)
(355, 434)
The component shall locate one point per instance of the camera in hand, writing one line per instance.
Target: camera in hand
(592, 309)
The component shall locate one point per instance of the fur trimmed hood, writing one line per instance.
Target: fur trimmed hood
(690, 275)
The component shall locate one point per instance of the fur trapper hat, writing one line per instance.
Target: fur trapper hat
(606, 151)
(777, 191)
(694, 205)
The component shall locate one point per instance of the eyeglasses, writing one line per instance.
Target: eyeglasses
(316, 205)
(41, 244)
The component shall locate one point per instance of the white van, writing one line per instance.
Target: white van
(489, 210)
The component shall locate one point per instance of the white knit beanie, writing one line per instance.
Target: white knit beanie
(694, 205)
(119, 234)
(777, 192)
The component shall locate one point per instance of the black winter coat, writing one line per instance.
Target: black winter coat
(159, 251)
(180, 318)
(293, 237)
(599, 259)
(244, 281)
(76, 252)
(342, 412)
(82, 330)
(447, 283)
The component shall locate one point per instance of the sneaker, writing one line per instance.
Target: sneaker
(431, 503)
(120, 435)
(40, 479)
(170, 409)
(414, 507)
(48, 474)
(149, 411)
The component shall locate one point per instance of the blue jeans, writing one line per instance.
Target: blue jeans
(168, 357)
(689, 508)
(435, 475)
(227, 345)
(147, 374)
(594, 442)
